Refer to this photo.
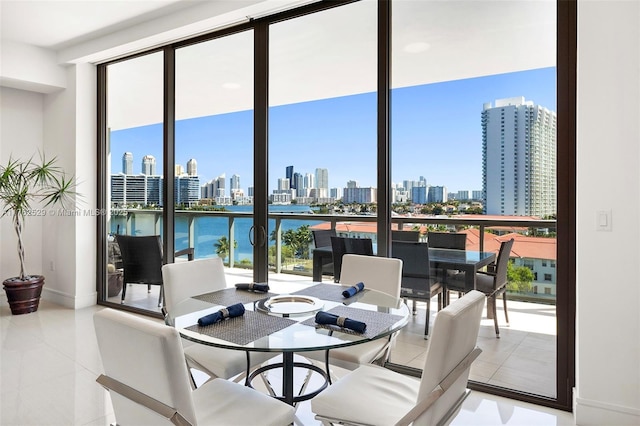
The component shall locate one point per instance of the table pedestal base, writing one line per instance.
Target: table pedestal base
(288, 366)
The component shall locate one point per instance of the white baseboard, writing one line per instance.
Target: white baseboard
(69, 301)
(588, 412)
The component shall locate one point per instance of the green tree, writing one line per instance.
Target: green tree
(519, 278)
(297, 239)
(474, 210)
(286, 254)
(222, 246)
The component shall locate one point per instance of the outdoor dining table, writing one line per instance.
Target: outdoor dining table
(283, 320)
(468, 261)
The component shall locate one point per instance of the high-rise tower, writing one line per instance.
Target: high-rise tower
(322, 182)
(518, 158)
(289, 175)
(127, 163)
(192, 167)
(235, 182)
(149, 165)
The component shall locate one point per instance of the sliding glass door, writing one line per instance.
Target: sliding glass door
(134, 169)
(213, 173)
(474, 135)
(322, 123)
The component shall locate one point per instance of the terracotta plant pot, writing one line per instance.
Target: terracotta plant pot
(23, 295)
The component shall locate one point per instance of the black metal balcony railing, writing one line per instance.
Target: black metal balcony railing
(146, 221)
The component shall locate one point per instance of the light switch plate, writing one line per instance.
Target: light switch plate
(603, 220)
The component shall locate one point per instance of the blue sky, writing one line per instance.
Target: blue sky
(436, 133)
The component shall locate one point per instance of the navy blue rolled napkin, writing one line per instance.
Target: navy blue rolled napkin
(332, 319)
(264, 287)
(351, 291)
(228, 312)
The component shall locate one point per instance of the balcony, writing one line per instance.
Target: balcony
(523, 359)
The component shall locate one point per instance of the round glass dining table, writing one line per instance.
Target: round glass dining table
(282, 320)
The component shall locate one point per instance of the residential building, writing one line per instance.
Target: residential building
(336, 193)
(419, 195)
(301, 189)
(309, 180)
(289, 175)
(297, 181)
(127, 163)
(129, 190)
(359, 195)
(187, 190)
(322, 183)
(463, 195)
(192, 167)
(234, 182)
(519, 158)
(149, 165)
(284, 184)
(214, 188)
(437, 194)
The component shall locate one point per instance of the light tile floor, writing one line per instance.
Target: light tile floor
(522, 359)
(49, 362)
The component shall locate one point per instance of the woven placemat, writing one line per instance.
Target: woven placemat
(230, 296)
(377, 322)
(244, 329)
(332, 292)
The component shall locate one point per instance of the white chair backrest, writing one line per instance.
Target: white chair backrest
(454, 336)
(183, 280)
(147, 356)
(377, 273)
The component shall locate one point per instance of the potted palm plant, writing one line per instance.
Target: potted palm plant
(27, 187)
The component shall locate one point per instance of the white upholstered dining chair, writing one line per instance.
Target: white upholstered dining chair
(183, 280)
(372, 395)
(147, 378)
(377, 273)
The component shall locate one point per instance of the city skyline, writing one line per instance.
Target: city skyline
(436, 133)
(284, 184)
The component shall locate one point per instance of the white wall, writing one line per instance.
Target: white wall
(61, 124)
(70, 243)
(30, 68)
(21, 136)
(608, 263)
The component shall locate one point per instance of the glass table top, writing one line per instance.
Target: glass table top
(274, 330)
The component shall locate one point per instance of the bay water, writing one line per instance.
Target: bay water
(208, 229)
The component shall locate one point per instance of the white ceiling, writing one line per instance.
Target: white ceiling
(316, 57)
(58, 24)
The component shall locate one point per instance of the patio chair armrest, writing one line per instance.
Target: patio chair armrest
(189, 251)
(440, 388)
(138, 397)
